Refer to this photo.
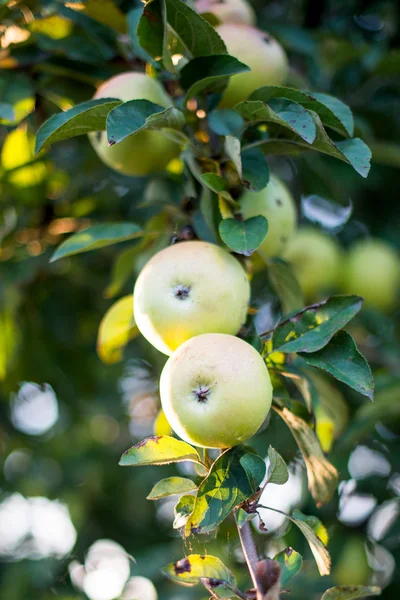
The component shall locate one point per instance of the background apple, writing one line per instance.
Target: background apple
(259, 51)
(372, 270)
(188, 289)
(146, 152)
(352, 567)
(228, 11)
(316, 261)
(215, 391)
(276, 204)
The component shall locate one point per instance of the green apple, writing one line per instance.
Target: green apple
(228, 11)
(259, 51)
(277, 205)
(372, 270)
(352, 567)
(215, 391)
(146, 152)
(188, 289)
(316, 261)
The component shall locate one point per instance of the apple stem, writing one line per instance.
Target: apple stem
(250, 554)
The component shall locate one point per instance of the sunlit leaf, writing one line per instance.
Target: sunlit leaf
(117, 327)
(316, 525)
(183, 509)
(191, 569)
(321, 554)
(170, 486)
(291, 562)
(103, 11)
(277, 470)
(161, 424)
(17, 156)
(351, 592)
(243, 237)
(159, 450)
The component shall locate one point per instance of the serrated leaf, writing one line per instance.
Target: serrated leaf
(351, 592)
(183, 509)
(277, 470)
(321, 554)
(244, 237)
(226, 486)
(159, 450)
(191, 569)
(82, 118)
(332, 112)
(136, 115)
(322, 475)
(313, 327)
(96, 237)
(226, 122)
(117, 327)
(291, 562)
(170, 486)
(342, 359)
(285, 285)
(209, 73)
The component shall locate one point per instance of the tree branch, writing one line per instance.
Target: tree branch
(250, 554)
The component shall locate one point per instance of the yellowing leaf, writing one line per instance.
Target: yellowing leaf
(161, 424)
(54, 26)
(17, 151)
(193, 568)
(116, 329)
(159, 450)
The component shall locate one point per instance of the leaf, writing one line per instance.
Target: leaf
(313, 327)
(227, 485)
(159, 450)
(342, 359)
(17, 91)
(243, 237)
(82, 118)
(326, 213)
(255, 169)
(117, 327)
(332, 112)
(316, 525)
(103, 11)
(136, 115)
(96, 237)
(151, 29)
(291, 562)
(209, 73)
(122, 270)
(6, 112)
(254, 467)
(183, 509)
(351, 592)
(161, 424)
(191, 569)
(170, 486)
(277, 470)
(322, 475)
(215, 182)
(219, 588)
(134, 16)
(285, 285)
(241, 517)
(321, 554)
(224, 121)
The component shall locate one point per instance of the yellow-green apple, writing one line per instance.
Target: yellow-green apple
(188, 289)
(215, 391)
(372, 270)
(259, 51)
(316, 261)
(228, 11)
(276, 204)
(147, 151)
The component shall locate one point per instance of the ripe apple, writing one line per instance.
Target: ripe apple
(147, 151)
(215, 391)
(316, 261)
(372, 270)
(228, 11)
(259, 51)
(188, 289)
(276, 204)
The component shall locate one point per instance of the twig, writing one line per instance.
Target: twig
(250, 554)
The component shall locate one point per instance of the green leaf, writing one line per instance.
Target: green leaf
(170, 486)
(209, 73)
(332, 112)
(351, 592)
(291, 562)
(81, 119)
(104, 11)
(255, 169)
(277, 470)
(241, 517)
(122, 270)
(227, 485)
(285, 285)
(224, 121)
(322, 475)
(136, 115)
(313, 327)
(219, 588)
(288, 115)
(159, 450)
(116, 329)
(151, 29)
(183, 509)
(191, 569)
(96, 237)
(215, 182)
(316, 525)
(198, 36)
(134, 17)
(321, 554)
(254, 467)
(243, 237)
(6, 112)
(342, 359)
(16, 90)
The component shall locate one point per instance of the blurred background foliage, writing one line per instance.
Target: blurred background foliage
(65, 416)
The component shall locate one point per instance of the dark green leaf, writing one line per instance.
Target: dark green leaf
(255, 169)
(243, 237)
(159, 450)
(191, 569)
(183, 509)
(351, 592)
(81, 119)
(255, 468)
(277, 470)
(151, 29)
(209, 73)
(95, 237)
(291, 562)
(223, 121)
(170, 486)
(312, 328)
(342, 359)
(285, 285)
(215, 182)
(134, 17)
(134, 116)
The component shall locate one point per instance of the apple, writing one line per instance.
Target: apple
(147, 151)
(316, 260)
(228, 11)
(352, 567)
(276, 204)
(372, 270)
(215, 391)
(188, 289)
(259, 51)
